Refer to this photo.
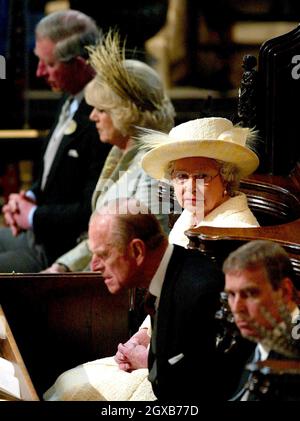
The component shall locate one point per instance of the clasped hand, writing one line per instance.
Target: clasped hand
(134, 353)
(16, 212)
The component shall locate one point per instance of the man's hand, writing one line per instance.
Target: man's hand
(131, 357)
(10, 221)
(134, 353)
(10, 210)
(21, 216)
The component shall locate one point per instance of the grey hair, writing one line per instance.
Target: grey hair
(72, 31)
(132, 220)
(126, 114)
(230, 175)
(264, 254)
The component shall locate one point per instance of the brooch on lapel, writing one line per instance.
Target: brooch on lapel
(71, 127)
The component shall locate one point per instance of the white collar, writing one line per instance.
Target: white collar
(159, 276)
(75, 102)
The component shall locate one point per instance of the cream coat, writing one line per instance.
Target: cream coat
(234, 213)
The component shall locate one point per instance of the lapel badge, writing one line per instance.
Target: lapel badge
(71, 127)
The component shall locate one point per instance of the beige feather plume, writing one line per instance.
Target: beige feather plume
(108, 59)
(148, 139)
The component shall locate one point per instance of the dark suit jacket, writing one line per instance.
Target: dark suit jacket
(186, 324)
(64, 206)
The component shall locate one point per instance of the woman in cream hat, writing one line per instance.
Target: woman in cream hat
(205, 160)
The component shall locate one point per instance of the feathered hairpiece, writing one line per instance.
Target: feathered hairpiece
(108, 60)
(149, 139)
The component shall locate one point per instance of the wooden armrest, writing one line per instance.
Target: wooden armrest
(288, 235)
(219, 242)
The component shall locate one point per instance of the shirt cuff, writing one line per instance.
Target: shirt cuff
(30, 216)
(30, 195)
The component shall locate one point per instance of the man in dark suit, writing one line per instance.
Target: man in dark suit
(46, 221)
(260, 283)
(130, 250)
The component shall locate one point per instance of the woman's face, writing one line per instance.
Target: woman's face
(198, 185)
(106, 129)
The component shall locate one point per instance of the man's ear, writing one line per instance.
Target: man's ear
(138, 250)
(80, 60)
(287, 288)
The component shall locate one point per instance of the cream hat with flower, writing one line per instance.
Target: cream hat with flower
(213, 137)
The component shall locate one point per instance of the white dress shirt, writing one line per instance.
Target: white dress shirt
(159, 276)
(67, 112)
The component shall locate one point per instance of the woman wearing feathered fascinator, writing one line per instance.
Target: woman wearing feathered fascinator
(125, 94)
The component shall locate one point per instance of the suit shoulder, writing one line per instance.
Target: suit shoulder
(193, 255)
(195, 265)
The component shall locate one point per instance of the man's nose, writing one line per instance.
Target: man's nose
(41, 69)
(237, 304)
(97, 264)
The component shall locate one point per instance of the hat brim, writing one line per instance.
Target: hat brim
(156, 161)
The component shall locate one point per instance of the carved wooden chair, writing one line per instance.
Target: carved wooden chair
(266, 102)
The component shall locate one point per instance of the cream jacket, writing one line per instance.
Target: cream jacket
(234, 213)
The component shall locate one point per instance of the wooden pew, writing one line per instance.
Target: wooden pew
(62, 320)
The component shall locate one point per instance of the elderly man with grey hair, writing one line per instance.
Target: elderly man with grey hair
(46, 221)
(130, 250)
